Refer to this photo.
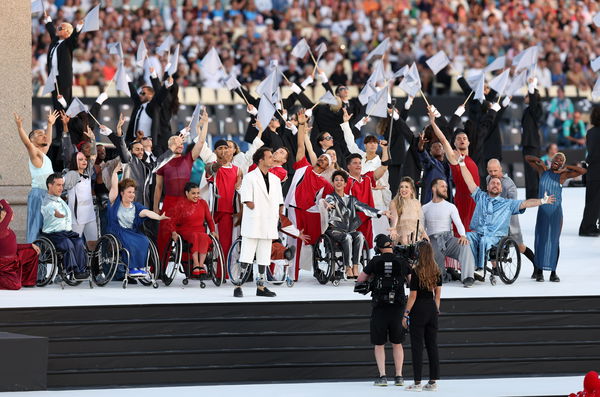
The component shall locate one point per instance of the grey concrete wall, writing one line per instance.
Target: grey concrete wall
(15, 96)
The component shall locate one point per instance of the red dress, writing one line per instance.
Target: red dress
(362, 190)
(188, 220)
(18, 262)
(463, 200)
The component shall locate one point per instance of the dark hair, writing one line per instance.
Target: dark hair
(31, 134)
(126, 183)
(52, 177)
(320, 136)
(286, 150)
(73, 164)
(149, 88)
(435, 181)
(260, 154)
(132, 144)
(595, 116)
(351, 157)
(341, 173)
(189, 186)
(371, 138)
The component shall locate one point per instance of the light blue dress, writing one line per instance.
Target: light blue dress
(36, 197)
(549, 223)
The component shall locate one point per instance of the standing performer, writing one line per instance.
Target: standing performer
(263, 200)
(591, 214)
(40, 167)
(531, 138)
(550, 217)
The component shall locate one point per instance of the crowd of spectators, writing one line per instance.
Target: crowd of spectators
(250, 33)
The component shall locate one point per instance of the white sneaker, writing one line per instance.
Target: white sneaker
(414, 387)
(479, 275)
(430, 387)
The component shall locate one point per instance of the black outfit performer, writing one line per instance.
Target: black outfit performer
(63, 51)
(531, 141)
(591, 213)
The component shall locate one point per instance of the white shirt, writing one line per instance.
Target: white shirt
(54, 57)
(439, 218)
(145, 122)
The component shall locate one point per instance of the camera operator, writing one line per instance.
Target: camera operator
(385, 276)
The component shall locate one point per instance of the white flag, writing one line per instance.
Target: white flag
(596, 19)
(115, 49)
(173, 62)
(515, 85)
(37, 6)
(141, 54)
(328, 98)
(378, 74)
(76, 107)
(211, 63)
(500, 82)
(377, 105)
(91, 22)
(379, 50)
(411, 84)
(596, 64)
(438, 62)
(232, 83)
(195, 120)
(300, 49)
(596, 90)
(400, 72)
(321, 49)
(497, 64)
(478, 88)
(526, 58)
(366, 93)
(266, 110)
(122, 81)
(269, 87)
(50, 82)
(165, 45)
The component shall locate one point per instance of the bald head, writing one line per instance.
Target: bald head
(494, 168)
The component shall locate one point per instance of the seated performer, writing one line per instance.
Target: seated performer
(189, 219)
(344, 222)
(57, 227)
(125, 221)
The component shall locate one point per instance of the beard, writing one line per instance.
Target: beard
(442, 195)
(42, 144)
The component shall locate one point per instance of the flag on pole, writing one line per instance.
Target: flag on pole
(173, 62)
(400, 72)
(76, 107)
(266, 110)
(50, 82)
(232, 83)
(438, 62)
(596, 64)
(91, 22)
(500, 82)
(377, 105)
(366, 93)
(195, 120)
(596, 90)
(328, 98)
(378, 74)
(115, 49)
(478, 88)
(300, 49)
(321, 49)
(211, 63)
(37, 6)
(596, 19)
(411, 84)
(379, 50)
(269, 87)
(515, 85)
(141, 54)
(165, 45)
(526, 58)
(497, 64)
(122, 80)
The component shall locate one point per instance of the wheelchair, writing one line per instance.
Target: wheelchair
(276, 273)
(328, 260)
(507, 257)
(109, 255)
(178, 257)
(50, 265)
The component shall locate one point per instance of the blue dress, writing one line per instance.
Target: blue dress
(549, 223)
(131, 239)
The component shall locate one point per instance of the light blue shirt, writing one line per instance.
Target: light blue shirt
(52, 224)
(492, 214)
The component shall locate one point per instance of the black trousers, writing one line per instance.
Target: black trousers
(423, 328)
(395, 174)
(532, 178)
(591, 213)
(75, 254)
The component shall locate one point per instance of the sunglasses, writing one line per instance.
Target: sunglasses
(327, 138)
(146, 138)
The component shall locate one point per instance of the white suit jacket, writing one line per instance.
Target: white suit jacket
(260, 222)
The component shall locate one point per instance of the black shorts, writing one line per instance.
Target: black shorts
(386, 324)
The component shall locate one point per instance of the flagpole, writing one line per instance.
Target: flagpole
(315, 105)
(56, 85)
(92, 116)
(313, 57)
(424, 98)
(468, 97)
(243, 96)
(284, 76)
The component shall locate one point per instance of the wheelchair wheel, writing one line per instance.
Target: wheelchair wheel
(238, 274)
(170, 261)
(47, 262)
(323, 259)
(365, 256)
(152, 262)
(105, 260)
(277, 272)
(215, 263)
(508, 259)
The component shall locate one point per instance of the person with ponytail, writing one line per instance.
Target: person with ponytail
(421, 315)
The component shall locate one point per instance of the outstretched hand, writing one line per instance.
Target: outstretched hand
(53, 116)
(18, 120)
(346, 117)
(162, 217)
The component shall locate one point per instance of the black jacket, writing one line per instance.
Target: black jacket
(153, 109)
(593, 157)
(64, 60)
(530, 122)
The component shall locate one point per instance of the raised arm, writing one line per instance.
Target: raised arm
(34, 153)
(52, 117)
(571, 171)
(158, 191)
(536, 163)
(301, 134)
(92, 138)
(348, 135)
(450, 154)
(537, 202)
(467, 175)
(201, 131)
(114, 184)
(312, 156)
(385, 157)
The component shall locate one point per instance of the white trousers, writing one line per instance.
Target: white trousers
(259, 247)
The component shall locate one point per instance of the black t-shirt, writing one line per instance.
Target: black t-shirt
(422, 293)
(376, 266)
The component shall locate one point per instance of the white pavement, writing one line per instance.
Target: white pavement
(578, 268)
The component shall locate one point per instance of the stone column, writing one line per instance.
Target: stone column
(15, 96)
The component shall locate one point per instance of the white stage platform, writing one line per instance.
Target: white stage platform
(547, 386)
(578, 269)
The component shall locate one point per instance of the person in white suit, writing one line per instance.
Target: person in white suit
(263, 200)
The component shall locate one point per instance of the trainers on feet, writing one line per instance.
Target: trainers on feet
(265, 292)
(237, 292)
(430, 387)
(381, 381)
(468, 283)
(134, 272)
(398, 381)
(479, 275)
(414, 387)
(453, 273)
